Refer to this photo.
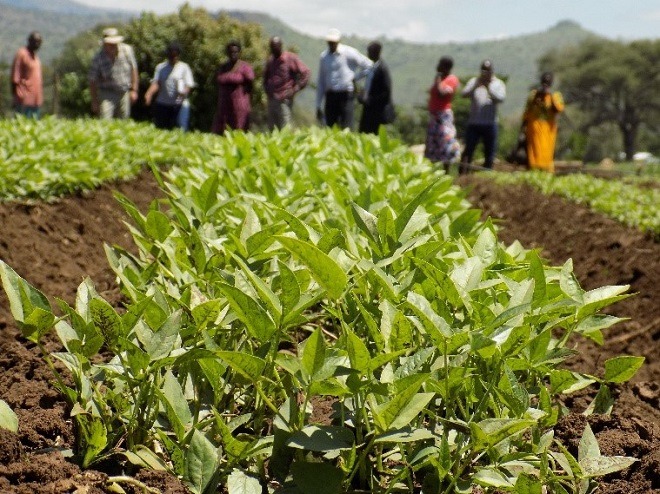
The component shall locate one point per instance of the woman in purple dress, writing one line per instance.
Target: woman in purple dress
(234, 79)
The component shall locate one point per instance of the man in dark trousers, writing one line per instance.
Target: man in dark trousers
(377, 95)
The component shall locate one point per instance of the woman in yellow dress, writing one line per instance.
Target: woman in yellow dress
(540, 124)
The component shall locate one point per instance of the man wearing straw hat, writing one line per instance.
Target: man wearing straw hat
(113, 77)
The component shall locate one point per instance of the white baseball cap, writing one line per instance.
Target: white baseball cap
(334, 35)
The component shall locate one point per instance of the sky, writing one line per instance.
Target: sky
(435, 21)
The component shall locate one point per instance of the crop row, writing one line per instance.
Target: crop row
(287, 273)
(51, 158)
(631, 204)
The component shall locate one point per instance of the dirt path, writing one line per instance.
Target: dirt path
(54, 246)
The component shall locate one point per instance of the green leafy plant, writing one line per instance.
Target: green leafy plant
(289, 273)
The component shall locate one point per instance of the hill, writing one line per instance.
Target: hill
(56, 20)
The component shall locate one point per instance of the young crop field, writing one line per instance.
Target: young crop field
(312, 312)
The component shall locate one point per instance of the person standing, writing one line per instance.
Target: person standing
(441, 144)
(235, 79)
(540, 124)
(26, 78)
(284, 76)
(113, 77)
(171, 84)
(339, 67)
(376, 99)
(486, 92)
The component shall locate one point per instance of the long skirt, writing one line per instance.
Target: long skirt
(441, 143)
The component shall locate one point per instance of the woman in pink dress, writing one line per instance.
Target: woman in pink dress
(234, 79)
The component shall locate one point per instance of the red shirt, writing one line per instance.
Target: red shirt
(284, 76)
(26, 77)
(441, 102)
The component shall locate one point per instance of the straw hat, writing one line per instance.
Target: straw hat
(111, 36)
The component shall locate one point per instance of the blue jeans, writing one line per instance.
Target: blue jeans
(476, 132)
(28, 111)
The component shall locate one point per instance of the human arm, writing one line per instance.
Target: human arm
(320, 89)
(301, 74)
(94, 96)
(358, 63)
(496, 90)
(151, 91)
(130, 54)
(448, 85)
(558, 102)
(16, 74)
(469, 88)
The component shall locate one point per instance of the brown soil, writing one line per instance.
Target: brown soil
(54, 246)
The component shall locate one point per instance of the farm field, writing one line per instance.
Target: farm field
(55, 246)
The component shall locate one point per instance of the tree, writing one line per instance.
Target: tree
(611, 81)
(202, 37)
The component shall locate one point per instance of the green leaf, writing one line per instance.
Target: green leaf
(405, 435)
(366, 222)
(257, 321)
(94, 435)
(173, 394)
(592, 326)
(490, 477)
(569, 284)
(403, 406)
(588, 447)
(8, 419)
(324, 269)
(28, 305)
(527, 484)
(241, 483)
(319, 478)
(200, 463)
(248, 366)
(358, 353)
(322, 438)
(404, 217)
(164, 341)
(602, 404)
(106, 320)
(598, 298)
(464, 223)
(313, 356)
(489, 432)
(158, 225)
(621, 369)
(603, 465)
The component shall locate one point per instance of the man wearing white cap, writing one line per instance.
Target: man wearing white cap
(113, 77)
(340, 66)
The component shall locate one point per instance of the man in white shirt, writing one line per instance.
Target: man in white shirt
(171, 84)
(486, 92)
(339, 67)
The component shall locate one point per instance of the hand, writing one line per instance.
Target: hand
(133, 95)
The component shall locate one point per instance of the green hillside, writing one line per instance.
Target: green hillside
(56, 21)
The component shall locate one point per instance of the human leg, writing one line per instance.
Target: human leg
(489, 135)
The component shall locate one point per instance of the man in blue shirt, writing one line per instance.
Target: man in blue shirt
(340, 66)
